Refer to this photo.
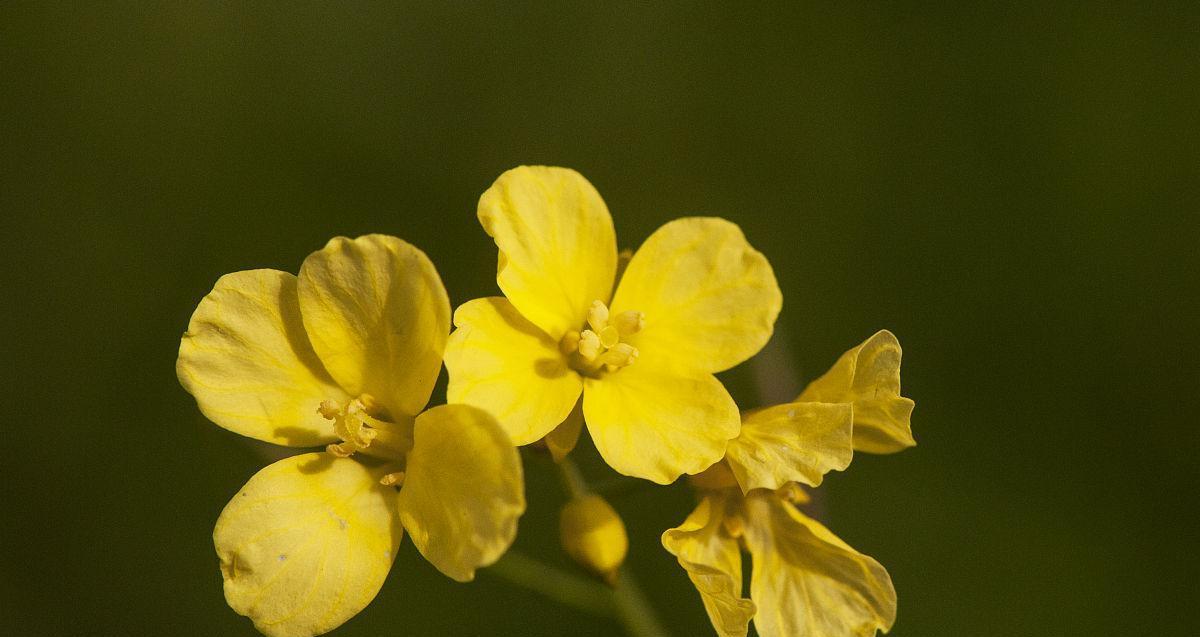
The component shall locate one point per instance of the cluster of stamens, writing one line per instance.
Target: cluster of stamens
(353, 424)
(599, 346)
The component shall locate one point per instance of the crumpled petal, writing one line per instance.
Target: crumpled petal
(246, 359)
(658, 424)
(503, 364)
(710, 300)
(714, 564)
(807, 582)
(307, 543)
(558, 250)
(869, 377)
(378, 316)
(795, 442)
(463, 490)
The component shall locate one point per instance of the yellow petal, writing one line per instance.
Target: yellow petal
(657, 424)
(714, 564)
(558, 252)
(709, 299)
(807, 582)
(378, 316)
(463, 490)
(503, 364)
(562, 440)
(869, 377)
(796, 442)
(246, 359)
(307, 543)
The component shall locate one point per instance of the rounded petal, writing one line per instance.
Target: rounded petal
(246, 359)
(307, 544)
(713, 562)
(655, 424)
(558, 251)
(709, 299)
(463, 490)
(796, 442)
(809, 583)
(505, 365)
(869, 377)
(378, 316)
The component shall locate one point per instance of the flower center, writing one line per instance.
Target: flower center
(362, 432)
(598, 348)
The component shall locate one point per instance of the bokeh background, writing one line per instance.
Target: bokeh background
(1011, 189)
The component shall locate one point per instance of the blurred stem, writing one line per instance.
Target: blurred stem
(554, 583)
(632, 607)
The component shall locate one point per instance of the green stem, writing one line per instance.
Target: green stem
(632, 608)
(554, 583)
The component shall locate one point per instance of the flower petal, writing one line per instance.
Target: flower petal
(502, 363)
(463, 490)
(714, 564)
(246, 359)
(558, 251)
(869, 377)
(307, 543)
(809, 583)
(378, 316)
(709, 299)
(657, 424)
(796, 442)
(563, 438)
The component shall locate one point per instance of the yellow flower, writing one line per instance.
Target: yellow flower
(345, 355)
(805, 581)
(694, 300)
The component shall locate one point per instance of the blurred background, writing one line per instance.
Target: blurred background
(1012, 190)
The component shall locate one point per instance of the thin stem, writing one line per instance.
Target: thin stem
(572, 479)
(554, 583)
(632, 608)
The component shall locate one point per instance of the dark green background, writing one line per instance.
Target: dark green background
(1011, 190)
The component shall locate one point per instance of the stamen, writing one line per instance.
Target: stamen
(589, 345)
(569, 343)
(597, 316)
(392, 479)
(621, 355)
(629, 322)
(793, 493)
(609, 336)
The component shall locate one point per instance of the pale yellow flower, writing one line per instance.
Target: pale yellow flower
(694, 300)
(805, 581)
(346, 356)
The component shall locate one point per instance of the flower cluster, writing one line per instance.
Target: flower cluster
(344, 356)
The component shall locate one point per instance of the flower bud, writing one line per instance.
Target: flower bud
(593, 534)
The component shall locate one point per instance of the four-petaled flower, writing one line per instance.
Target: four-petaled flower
(694, 300)
(345, 355)
(805, 581)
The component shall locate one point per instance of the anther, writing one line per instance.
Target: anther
(392, 479)
(597, 316)
(629, 322)
(609, 336)
(589, 345)
(569, 343)
(329, 409)
(793, 493)
(621, 355)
